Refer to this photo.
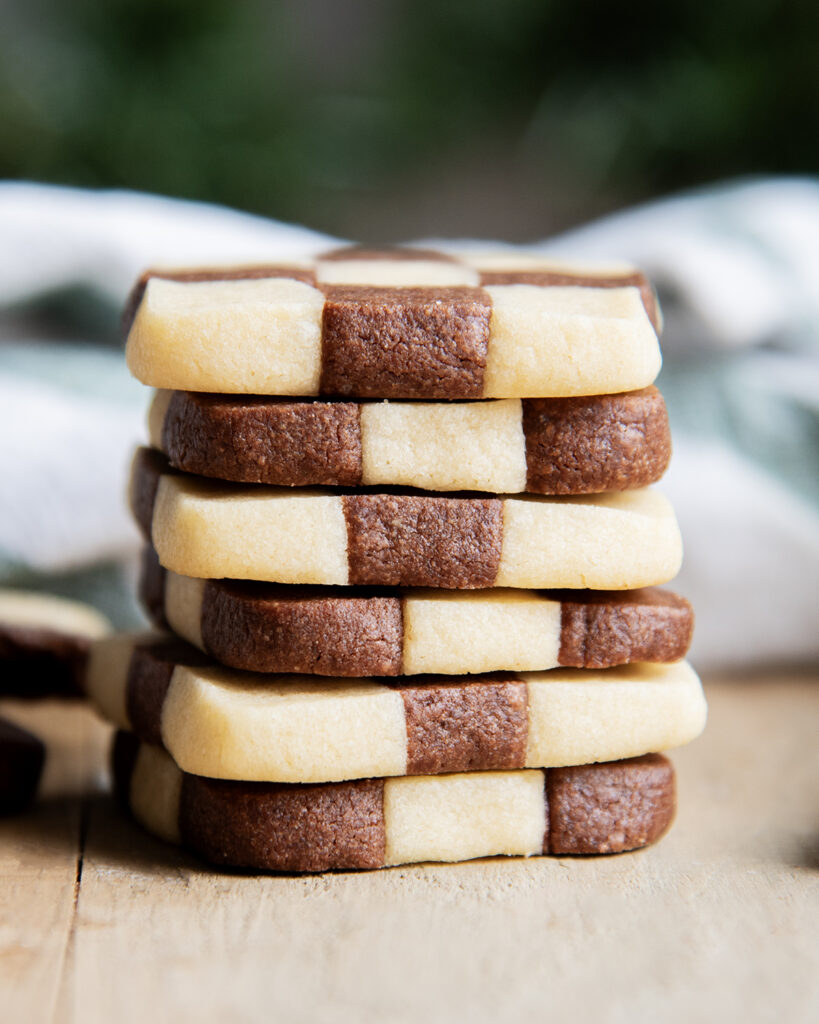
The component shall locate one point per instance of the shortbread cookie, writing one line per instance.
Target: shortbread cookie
(374, 823)
(22, 756)
(235, 725)
(541, 445)
(44, 643)
(393, 325)
(213, 530)
(267, 627)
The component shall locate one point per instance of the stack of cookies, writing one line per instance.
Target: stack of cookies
(413, 619)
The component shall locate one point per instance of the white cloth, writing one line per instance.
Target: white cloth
(52, 238)
(738, 271)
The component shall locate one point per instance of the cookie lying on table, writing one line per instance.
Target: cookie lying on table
(205, 528)
(22, 756)
(228, 724)
(269, 627)
(401, 324)
(44, 643)
(374, 823)
(539, 445)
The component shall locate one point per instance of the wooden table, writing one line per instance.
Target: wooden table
(720, 921)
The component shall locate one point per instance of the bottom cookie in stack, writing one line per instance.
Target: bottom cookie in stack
(373, 823)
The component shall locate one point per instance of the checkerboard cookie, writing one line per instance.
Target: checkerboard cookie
(44, 643)
(226, 724)
(22, 756)
(396, 325)
(264, 627)
(374, 823)
(212, 530)
(540, 445)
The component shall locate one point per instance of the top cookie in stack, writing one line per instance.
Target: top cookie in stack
(485, 447)
(406, 324)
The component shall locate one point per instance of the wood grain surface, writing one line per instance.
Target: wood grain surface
(720, 921)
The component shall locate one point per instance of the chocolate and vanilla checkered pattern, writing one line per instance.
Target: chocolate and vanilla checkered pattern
(395, 326)
(540, 445)
(374, 823)
(227, 724)
(361, 632)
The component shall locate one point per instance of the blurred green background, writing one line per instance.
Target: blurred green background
(385, 120)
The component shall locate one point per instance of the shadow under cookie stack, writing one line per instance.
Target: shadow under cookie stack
(413, 619)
